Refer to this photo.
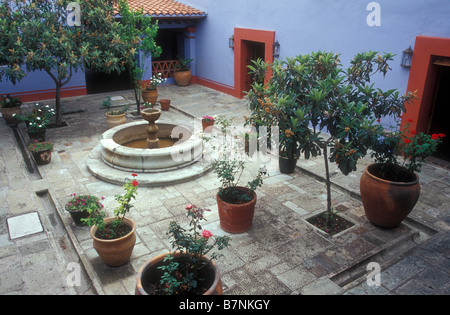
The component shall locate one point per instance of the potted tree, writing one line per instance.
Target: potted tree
(10, 107)
(41, 151)
(80, 205)
(114, 117)
(189, 269)
(236, 203)
(390, 187)
(182, 74)
(114, 237)
(336, 110)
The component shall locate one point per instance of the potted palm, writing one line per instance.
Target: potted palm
(182, 74)
(188, 269)
(80, 205)
(41, 151)
(10, 107)
(114, 117)
(390, 187)
(114, 237)
(150, 92)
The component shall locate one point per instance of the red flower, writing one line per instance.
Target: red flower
(434, 136)
(407, 141)
(413, 132)
(134, 174)
(206, 234)
(378, 119)
(410, 120)
(441, 135)
(134, 183)
(188, 207)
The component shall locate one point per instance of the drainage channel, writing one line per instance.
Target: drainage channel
(63, 247)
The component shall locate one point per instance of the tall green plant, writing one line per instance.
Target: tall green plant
(322, 106)
(35, 36)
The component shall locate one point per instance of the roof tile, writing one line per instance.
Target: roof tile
(164, 7)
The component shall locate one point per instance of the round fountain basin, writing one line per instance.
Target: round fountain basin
(186, 147)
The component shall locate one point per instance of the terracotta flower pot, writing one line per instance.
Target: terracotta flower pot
(182, 78)
(115, 120)
(387, 203)
(206, 124)
(42, 157)
(165, 104)
(150, 96)
(237, 218)
(115, 252)
(149, 274)
(8, 112)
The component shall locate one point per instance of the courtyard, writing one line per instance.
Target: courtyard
(282, 254)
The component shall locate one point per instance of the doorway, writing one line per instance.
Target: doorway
(440, 110)
(101, 82)
(255, 50)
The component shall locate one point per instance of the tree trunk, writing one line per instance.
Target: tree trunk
(58, 116)
(328, 181)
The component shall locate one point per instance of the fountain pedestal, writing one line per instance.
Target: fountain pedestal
(151, 115)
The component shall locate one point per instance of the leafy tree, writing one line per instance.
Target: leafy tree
(319, 106)
(35, 36)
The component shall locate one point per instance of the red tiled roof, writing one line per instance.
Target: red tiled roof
(164, 8)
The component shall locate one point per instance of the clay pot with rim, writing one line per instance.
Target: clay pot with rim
(8, 114)
(150, 96)
(149, 274)
(165, 104)
(115, 252)
(387, 203)
(237, 218)
(115, 120)
(182, 78)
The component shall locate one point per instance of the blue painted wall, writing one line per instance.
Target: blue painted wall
(303, 26)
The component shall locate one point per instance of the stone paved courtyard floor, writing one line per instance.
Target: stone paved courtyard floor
(282, 253)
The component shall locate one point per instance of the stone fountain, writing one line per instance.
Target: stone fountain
(160, 153)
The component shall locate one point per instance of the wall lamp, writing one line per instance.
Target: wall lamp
(231, 41)
(407, 58)
(276, 49)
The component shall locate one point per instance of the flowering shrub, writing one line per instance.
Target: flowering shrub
(37, 146)
(107, 105)
(9, 101)
(38, 119)
(155, 81)
(182, 276)
(406, 148)
(208, 118)
(116, 229)
(84, 203)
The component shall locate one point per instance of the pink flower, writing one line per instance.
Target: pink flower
(206, 234)
(188, 207)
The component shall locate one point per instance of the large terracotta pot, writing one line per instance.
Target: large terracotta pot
(150, 96)
(182, 78)
(115, 252)
(115, 120)
(387, 203)
(236, 218)
(150, 274)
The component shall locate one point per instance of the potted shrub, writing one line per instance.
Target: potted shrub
(189, 269)
(10, 107)
(114, 117)
(207, 121)
(326, 107)
(37, 121)
(150, 92)
(390, 187)
(41, 151)
(114, 237)
(236, 203)
(80, 206)
(182, 74)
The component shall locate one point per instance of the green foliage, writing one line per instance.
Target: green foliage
(182, 276)
(9, 101)
(38, 118)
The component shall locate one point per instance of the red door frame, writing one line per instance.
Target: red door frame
(422, 77)
(240, 53)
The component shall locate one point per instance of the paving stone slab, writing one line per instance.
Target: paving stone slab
(24, 225)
